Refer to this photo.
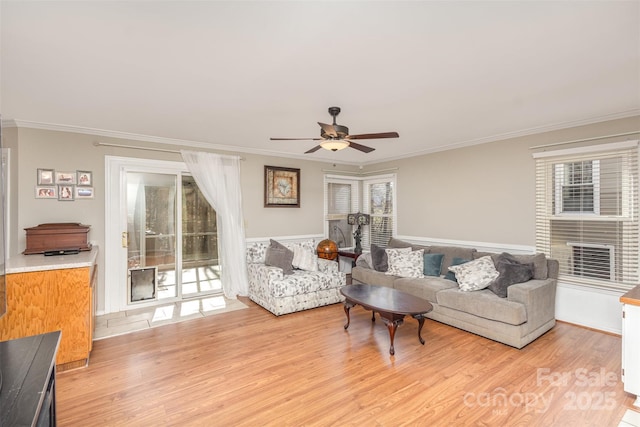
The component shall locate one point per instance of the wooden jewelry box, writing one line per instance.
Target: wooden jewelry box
(57, 237)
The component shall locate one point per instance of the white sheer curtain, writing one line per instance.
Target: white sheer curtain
(218, 177)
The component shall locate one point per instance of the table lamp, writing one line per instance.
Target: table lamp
(358, 219)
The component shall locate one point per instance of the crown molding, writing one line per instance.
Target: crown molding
(8, 123)
(515, 134)
(26, 124)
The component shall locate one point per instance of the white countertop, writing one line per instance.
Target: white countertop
(36, 262)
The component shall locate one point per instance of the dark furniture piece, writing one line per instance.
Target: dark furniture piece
(57, 237)
(392, 306)
(350, 254)
(28, 394)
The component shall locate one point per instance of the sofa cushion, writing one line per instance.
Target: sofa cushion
(539, 261)
(405, 262)
(425, 288)
(433, 264)
(475, 275)
(282, 258)
(379, 258)
(510, 274)
(451, 252)
(456, 261)
(484, 304)
(303, 282)
(397, 243)
(304, 258)
(372, 277)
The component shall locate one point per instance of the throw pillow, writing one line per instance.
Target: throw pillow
(281, 258)
(510, 274)
(456, 261)
(304, 258)
(475, 275)
(433, 264)
(405, 263)
(379, 258)
(539, 261)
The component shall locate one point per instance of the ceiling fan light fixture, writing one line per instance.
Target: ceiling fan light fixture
(334, 144)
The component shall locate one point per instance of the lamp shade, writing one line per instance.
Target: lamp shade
(358, 219)
(334, 144)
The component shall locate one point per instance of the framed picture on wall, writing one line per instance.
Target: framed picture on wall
(84, 192)
(46, 192)
(281, 187)
(66, 178)
(65, 192)
(85, 178)
(45, 177)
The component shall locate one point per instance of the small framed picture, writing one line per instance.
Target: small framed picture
(85, 178)
(84, 192)
(45, 177)
(65, 192)
(43, 192)
(66, 178)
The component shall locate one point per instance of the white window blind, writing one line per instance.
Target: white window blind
(341, 198)
(379, 202)
(587, 213)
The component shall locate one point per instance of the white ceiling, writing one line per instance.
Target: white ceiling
(233, 74)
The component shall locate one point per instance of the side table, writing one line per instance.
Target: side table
(350, 254)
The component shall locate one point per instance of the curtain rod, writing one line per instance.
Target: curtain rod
(583, 140)
(341, 172)
(164, 150)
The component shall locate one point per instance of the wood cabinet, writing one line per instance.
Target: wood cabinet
(630, 343)
(54, 299)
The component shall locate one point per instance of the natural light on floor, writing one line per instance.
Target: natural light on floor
(163, 313)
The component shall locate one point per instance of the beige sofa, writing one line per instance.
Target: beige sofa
(527, 312)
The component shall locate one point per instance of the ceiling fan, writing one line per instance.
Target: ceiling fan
(335, 137)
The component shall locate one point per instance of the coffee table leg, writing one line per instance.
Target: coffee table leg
(420, 319)
(392, 325)
(347, 307)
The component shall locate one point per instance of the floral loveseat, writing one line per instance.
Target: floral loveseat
(316, 281)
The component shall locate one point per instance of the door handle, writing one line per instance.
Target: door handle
(125, 239)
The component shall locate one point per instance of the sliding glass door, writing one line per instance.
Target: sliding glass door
(172, 245)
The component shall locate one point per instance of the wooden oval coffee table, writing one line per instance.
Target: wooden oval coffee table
(392, 306)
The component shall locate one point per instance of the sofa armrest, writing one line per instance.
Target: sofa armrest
(328, 266)
(539, 299)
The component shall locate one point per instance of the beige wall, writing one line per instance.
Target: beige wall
(63, 151)
(482, 193)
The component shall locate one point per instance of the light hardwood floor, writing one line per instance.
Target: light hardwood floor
(250, 368)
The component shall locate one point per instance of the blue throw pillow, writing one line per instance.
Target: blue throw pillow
(456, 261)
(433, 264)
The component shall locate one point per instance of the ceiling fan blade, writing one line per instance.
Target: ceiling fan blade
(328, 129)
(313, 150)
(360, 147)
(295, 139)
(374, 135)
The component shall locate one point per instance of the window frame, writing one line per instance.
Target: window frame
(360, 203)
(554, 227)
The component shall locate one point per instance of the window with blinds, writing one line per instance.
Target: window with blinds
(587, 213)
(379, 201)
(341, 198)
